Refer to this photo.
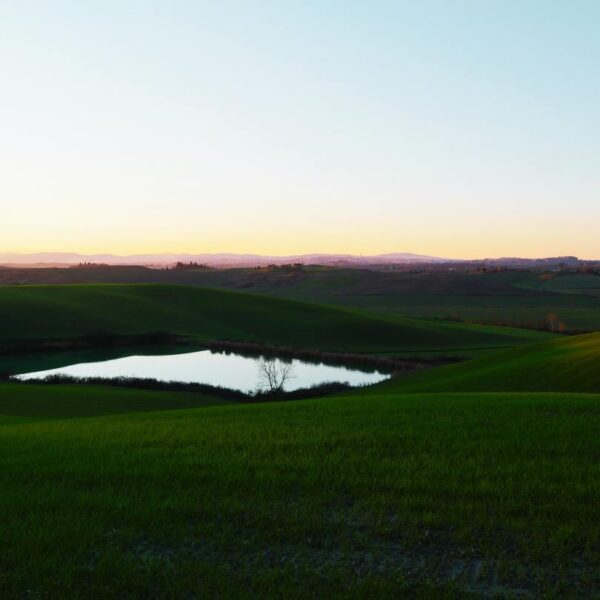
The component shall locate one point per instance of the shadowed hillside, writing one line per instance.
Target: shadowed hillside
(69, 311)
(509, 297)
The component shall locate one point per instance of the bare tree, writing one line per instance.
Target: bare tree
(273, 374)
(552, 319)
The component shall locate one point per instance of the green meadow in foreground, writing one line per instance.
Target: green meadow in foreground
(69, 311)
(61, 401)
(369, 493)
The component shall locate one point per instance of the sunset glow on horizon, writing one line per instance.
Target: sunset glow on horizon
(462, 130)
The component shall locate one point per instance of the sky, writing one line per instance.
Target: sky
(461, 129)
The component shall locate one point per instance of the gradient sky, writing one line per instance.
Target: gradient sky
(451, 128)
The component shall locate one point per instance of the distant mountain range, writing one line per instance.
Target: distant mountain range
(228, 260)
(212, 260)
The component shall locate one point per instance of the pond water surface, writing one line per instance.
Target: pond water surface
(219, 369)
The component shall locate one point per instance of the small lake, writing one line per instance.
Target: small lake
(243, 373)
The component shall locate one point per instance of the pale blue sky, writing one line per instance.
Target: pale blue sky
(461, 129)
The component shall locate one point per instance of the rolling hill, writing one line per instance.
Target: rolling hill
(507, 297)
(70, 401)
(70, 311)
(561, 365)
(373, 492)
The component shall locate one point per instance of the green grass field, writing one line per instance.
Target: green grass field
(514, 298)
(517, 298)
(375, 493)
(68, 401)
(569, 364)
(478, 479)
(69, 311)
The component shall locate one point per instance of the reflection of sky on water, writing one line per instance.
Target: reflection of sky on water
(227, 370)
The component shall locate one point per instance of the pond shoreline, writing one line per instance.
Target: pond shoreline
(93, 340)
(392, 365)
(316, 391)
(395, 366)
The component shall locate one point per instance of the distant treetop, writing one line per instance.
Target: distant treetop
(183, 266)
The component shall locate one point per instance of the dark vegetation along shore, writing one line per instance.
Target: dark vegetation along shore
(474, 479)
(91, 341)
(214, 391)
(395, 365)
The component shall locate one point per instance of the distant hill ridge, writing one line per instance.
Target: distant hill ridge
(225, 260)
(216, 259)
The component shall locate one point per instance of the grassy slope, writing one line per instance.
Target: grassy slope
(364, 493)
(44, 402)
(510, 297)
(582, 283)
(566, 364)
(73, 310)
(334, 496)
(507, 297)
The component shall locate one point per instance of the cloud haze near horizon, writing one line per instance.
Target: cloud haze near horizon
(462, 130)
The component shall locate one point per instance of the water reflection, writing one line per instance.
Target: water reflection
(243, 373)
